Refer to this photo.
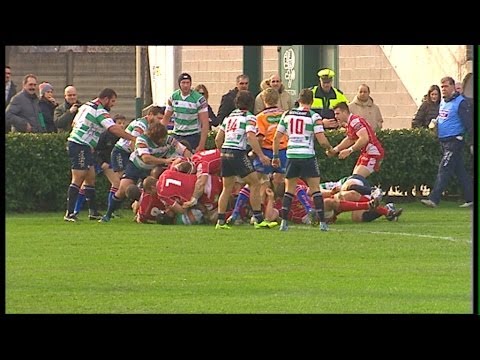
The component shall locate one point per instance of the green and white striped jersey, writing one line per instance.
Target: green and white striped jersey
(301, 126)
(91, 121)
(185, 112)
(145, 145)
(329, 185)
(236, 126)
(136, 128)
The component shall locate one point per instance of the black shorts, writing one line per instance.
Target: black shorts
(119, 159)
(304, 168)
(81, 156)
(235, 163)
(134, 173)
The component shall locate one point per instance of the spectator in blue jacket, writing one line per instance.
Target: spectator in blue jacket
(455, 119)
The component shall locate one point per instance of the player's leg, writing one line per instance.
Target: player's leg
(228, 184)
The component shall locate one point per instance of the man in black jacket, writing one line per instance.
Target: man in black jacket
(65, 112)
(10, 90)
(227, 104)
(10, 87)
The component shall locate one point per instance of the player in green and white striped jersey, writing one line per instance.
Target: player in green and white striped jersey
(92, 119)
(302, 126)
(123, 148)
(231, 138)
(151, 149)
(189, 110)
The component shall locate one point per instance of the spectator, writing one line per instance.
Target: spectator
(284, 101)
(428, 110)
(10, 91)
(459, 87)
(227, 104)
(212, 118)
(189, 111)
(23, 111)
(10, 87)
(362, 105)
(325, 97)
(65, 112)
(455, 118)
(47, 105)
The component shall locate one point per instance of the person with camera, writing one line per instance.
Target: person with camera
(65, 112)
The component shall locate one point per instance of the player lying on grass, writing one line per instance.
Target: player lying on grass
(354, 196)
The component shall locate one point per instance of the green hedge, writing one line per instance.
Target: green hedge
(37, 171)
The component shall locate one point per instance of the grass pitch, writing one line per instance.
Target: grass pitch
(419, 265)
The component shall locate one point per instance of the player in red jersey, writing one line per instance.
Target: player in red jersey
(177, 187)
(170, 191)
(146, 204)
(360, 137)
(205, 163)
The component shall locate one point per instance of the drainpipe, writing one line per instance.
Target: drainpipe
(138, 80)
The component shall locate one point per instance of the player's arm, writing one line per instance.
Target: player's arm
(135, 207)
(168, 113)
(207, 215)
(219, 138)
(361, 142)
(176, 208)
(275, 148)
(139, 218)
(203, 118)
(323, 141)
(152, 160)
(197, 192)
(345, 143)
(260, 138)
(187, 153)
(271, 214)
(118, 130)
(252, 140)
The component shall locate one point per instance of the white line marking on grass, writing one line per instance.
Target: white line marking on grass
(449, 238)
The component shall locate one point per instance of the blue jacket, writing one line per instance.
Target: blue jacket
(455, 117)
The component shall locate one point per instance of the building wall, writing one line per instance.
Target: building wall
(218, 66)
(91, 73)
(368, 64)
(420, 66)
(398, 75)
(214, 66)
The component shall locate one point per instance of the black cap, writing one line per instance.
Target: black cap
(184, 76)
